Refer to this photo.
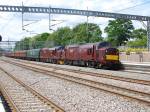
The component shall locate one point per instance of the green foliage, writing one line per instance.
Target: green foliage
(61, 36)
(38, 41)
(138, 42)
(24, 44)
(119, 31)
(139, 38)
(81, 33)
(66, 36)
(32, 42)
(139, 33)
(136, 50)
(86, 33)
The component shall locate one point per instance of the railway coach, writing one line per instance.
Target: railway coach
(20, 54)
(33, 55)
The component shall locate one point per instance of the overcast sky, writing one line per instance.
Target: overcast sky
(11, 24)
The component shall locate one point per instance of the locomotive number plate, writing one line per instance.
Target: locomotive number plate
(112, 57)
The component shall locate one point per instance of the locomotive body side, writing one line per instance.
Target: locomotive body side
(52, 55)
(72, 54)
(86, 53)
(45, 55)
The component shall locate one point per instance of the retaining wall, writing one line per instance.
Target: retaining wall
(135, 57)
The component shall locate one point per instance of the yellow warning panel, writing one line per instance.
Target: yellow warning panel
(112, 57)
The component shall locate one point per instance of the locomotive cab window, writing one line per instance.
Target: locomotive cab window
(89, 51)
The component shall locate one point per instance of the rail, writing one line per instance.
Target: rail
(129, 93)
(35, 93)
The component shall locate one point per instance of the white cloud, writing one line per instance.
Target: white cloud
(11, 22)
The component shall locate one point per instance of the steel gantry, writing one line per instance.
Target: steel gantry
(50, 10)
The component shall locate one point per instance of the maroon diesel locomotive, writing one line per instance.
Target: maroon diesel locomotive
(99, 55)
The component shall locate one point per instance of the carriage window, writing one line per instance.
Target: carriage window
(89, 51)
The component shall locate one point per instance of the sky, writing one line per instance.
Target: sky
(11, 23)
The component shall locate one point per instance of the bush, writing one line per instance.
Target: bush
(136, 50)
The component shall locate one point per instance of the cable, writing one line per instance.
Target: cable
(12, 18)
(134, 6)
(143, 24)
(132, 1)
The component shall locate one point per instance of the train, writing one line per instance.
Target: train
(97, 55)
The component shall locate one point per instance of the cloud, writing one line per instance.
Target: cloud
(11, 22)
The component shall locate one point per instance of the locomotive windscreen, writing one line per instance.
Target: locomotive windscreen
(112, 51)
(103, 44)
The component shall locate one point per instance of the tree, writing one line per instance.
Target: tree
(41, 37)
(119, 31)
(139, 33)
(23, 44)
(87, 33)
(138, 42)
(61, 36)
(139, 38)
(38, 41)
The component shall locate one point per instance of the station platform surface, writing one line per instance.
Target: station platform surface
(135, 63)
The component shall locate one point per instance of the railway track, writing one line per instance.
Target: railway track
(21, 97)
(137, 69)
(128, 93)
(128, 69)
(109, 76)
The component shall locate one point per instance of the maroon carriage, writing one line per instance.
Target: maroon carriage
(20, 54)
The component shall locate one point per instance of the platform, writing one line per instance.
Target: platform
(136, 63)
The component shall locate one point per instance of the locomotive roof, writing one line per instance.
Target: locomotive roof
(86, 45)
(76, 45)
(98, 44)
(56, 48)
(102, 44)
